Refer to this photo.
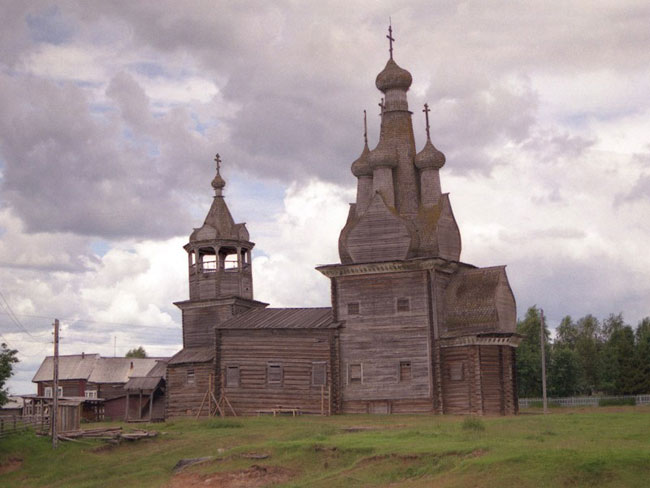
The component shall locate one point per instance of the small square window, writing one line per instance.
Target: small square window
(405, 373)
(232, 376)
(190, 377)
(353, 308)
(355, 373)
(403, 305)
(90, 393)
(319, 373)
(457, 371)
(274, 374)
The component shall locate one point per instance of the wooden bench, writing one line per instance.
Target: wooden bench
(279, 410)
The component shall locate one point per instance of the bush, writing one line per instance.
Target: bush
(473, 423)
(613, 402)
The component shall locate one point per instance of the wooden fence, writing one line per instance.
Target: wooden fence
(585, 401)
(18, 423)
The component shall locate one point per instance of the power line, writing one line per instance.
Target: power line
(13, 317)
(92, 321)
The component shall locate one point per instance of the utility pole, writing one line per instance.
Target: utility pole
(55, 388)
(543, 341)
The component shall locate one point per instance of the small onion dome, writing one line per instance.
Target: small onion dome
(218, 182)
(393, 77)
(361, 167)
(382, 157)
(429, 157)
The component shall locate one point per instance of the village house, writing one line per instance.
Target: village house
(411, 327)
(102, 385)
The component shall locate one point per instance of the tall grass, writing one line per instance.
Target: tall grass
(565, 448)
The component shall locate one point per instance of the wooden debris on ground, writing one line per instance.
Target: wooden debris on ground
(184, 463)
(111, 434)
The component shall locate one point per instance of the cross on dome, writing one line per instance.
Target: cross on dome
(390, 37)
(426, 115)
(217, 159)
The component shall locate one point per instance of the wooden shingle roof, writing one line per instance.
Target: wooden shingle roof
(282, 318)
(71, 367)
(193, 355)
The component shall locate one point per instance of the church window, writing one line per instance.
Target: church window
(274, 374)
(232, 376)
(190, 377)
(228, 257)
(403, 305)
(355, 373)
(208, 260)
(319, 373)
(405, 371)
(353, 308)
(457, 371)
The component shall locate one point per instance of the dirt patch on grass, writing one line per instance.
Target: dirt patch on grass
(253, 477)
(10, 465)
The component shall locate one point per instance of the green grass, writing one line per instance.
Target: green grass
(586, 447)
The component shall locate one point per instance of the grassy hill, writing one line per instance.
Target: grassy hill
(587, 447)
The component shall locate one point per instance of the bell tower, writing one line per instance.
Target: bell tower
(219, 270)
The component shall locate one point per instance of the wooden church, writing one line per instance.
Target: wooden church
(411, 327)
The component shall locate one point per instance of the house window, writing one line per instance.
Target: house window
(190, 377)
(353, 308)
(403, 305)
(232, 376)
(90, 393)
(457, 371)
(355, 373)
(319, 373)
(274, 374)
(48, 391)
(405, 371)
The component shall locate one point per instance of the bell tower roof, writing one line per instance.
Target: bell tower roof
(219, 223)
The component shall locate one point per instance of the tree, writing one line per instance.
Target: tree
(529, 356)
(137, 352)
(564, 372)
(642, 357)
(588, 346)
(7, 360)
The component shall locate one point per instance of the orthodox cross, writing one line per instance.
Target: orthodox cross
(390, 37)
(217, 159)
(426, 115)
(365, 128)
(381, 106)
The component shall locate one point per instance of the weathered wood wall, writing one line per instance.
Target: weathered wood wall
(379, 337)
(183, 398)
(479, 380)
(294, 349)
(71, 388)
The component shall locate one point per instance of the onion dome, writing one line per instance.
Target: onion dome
(393, 76)
(218, 182)
(361, 167)
(383, 157)
(429, 157)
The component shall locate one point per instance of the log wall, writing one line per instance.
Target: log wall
(183, 398)
(379, 338)
(294, 350)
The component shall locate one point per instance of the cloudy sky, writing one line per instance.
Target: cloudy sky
(112, 111)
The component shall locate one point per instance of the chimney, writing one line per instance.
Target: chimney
(131, 364)
(83, 355)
